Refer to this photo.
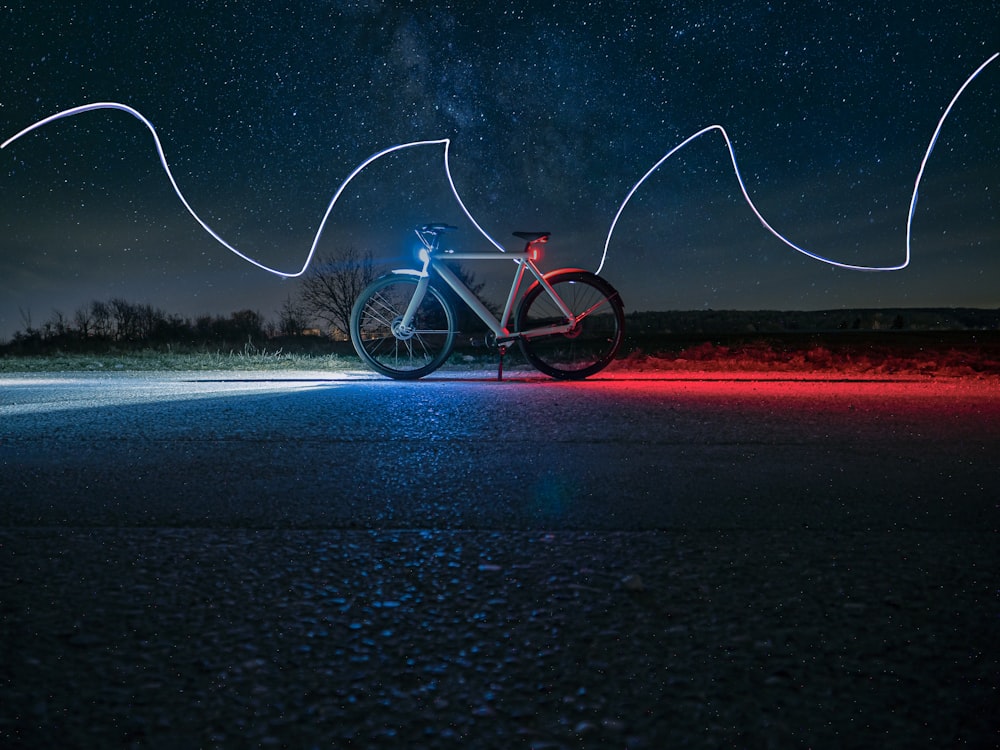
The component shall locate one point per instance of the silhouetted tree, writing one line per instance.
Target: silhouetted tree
(123, 318)
(245, 325)
(333, 283)
(292, 318)
(58, 324)
(26, 321)
(100, 315)
(84, 323)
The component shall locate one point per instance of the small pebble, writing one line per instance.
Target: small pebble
(633, 582)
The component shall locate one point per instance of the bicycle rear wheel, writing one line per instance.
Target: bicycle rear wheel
(591, 344)
(390, 350)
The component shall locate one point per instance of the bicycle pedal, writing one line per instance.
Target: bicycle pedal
(486, 341)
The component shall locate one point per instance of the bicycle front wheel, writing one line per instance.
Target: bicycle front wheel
(384, 345)
(591, 344)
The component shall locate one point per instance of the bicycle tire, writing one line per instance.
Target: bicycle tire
(409, 357)
(592, 344)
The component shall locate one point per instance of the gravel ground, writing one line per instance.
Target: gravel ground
(185, 638)
(203, 562)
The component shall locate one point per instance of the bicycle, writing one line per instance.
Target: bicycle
(569, 323)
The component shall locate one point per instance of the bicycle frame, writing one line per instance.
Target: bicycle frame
(568, 322)
(525, 260)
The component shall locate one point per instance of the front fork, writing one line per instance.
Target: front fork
(403, 328)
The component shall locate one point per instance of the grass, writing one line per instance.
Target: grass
(250, 358)
(150, 360)
(942, 355)
(950, 356)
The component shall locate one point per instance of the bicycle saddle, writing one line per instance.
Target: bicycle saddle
(533, 236)
(436, 228)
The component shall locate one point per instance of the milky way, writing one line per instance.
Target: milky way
(554, 111)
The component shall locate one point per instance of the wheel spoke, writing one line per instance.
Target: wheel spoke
(409, 353)
(594, 339)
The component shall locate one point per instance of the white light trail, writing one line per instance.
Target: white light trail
(447, 167)
(763, 221)
(319, 231)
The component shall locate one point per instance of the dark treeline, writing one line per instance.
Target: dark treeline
(322, 305)
(707, 322)
(123, 324)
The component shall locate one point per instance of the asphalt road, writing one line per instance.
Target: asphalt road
(306, 450)
(316, 560)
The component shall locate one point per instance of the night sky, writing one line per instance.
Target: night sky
(554, 109)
